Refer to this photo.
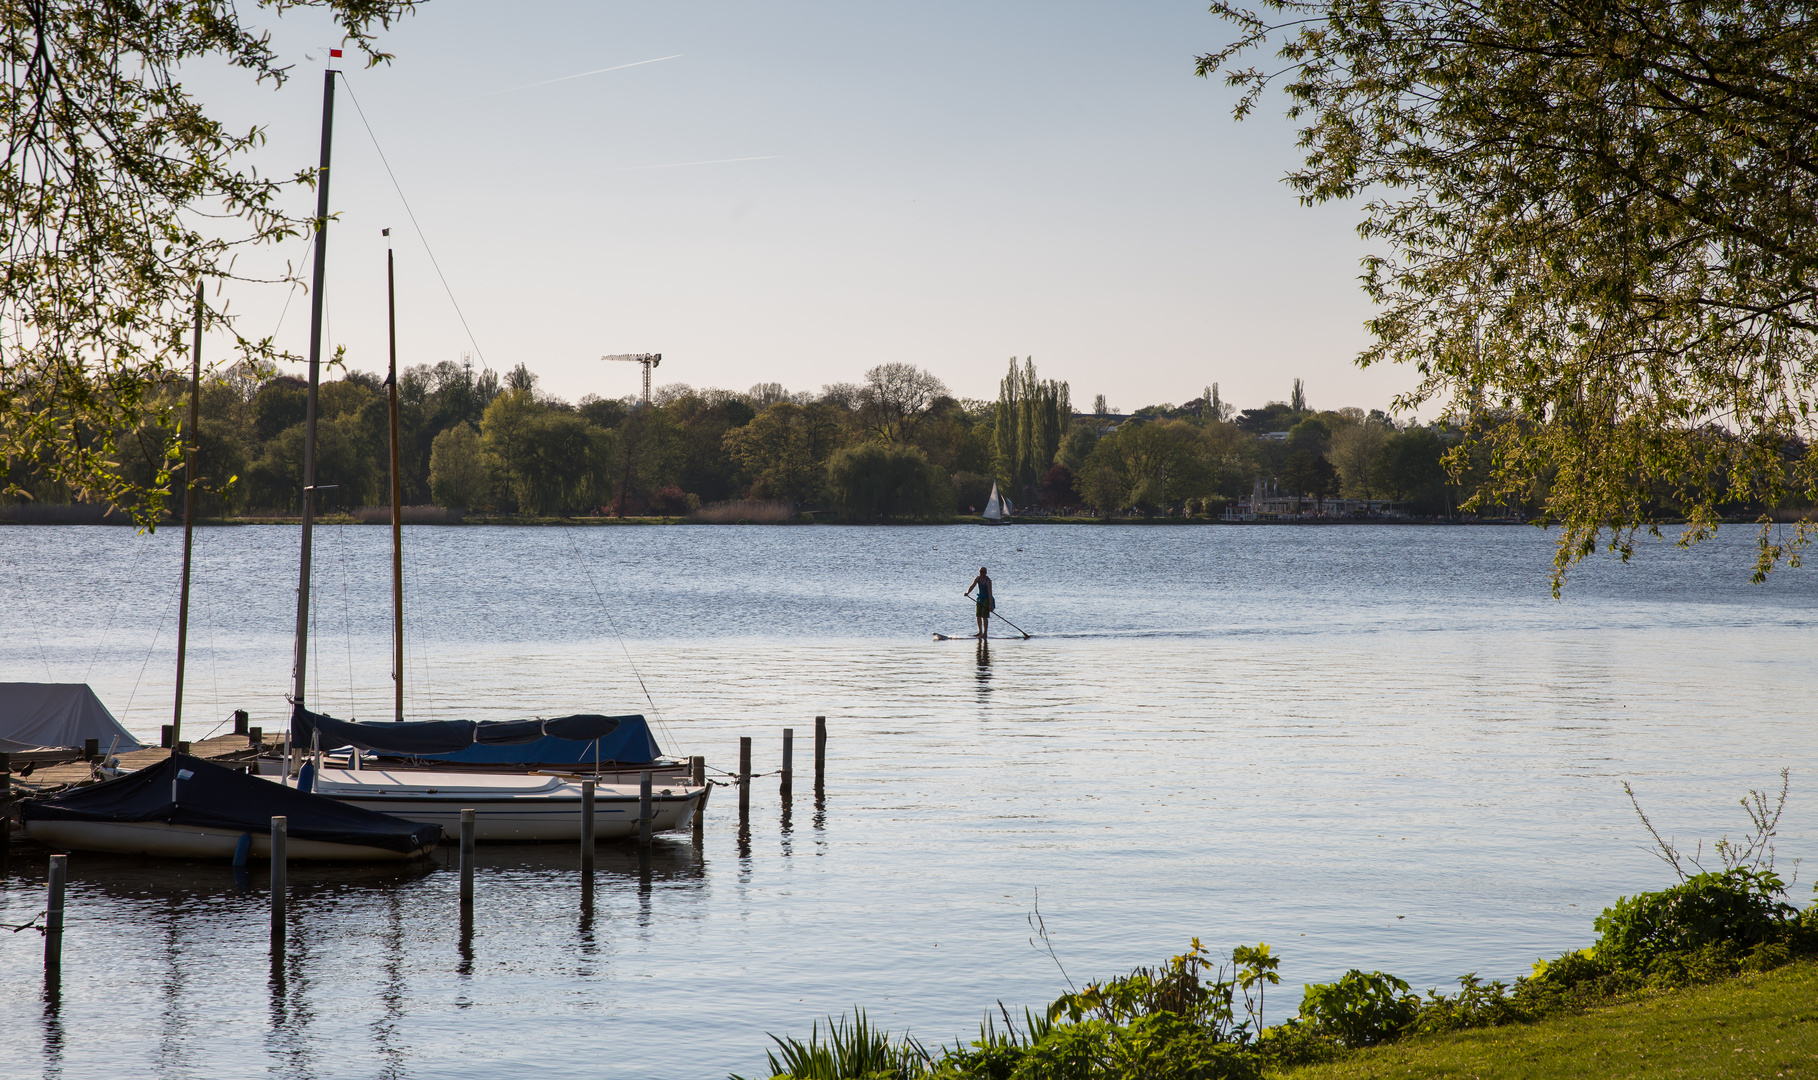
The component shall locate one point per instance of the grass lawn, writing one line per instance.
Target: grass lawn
(1752, 1026)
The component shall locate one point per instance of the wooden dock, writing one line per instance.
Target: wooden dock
(53, 772)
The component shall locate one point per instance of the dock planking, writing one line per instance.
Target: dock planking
(46, 779)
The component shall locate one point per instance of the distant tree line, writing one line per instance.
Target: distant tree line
(896, 446)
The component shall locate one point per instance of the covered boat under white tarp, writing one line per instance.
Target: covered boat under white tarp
(38, 715)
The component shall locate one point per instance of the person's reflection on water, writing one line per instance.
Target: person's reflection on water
(983, 660)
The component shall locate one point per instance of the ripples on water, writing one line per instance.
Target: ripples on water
(1375, 747)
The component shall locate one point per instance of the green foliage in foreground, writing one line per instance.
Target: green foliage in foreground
(1192, 1019)
(1762, 1025)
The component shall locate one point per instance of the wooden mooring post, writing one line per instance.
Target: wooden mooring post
(744, 782)
(697, 775)
(820, 753)
(280, 883)
(646, 808)
(6, 812)
(53, 921)
(466, 862)
(788, 783)
(587, 789)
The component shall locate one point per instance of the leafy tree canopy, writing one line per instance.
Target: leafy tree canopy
(120, 197)
(1598, 236)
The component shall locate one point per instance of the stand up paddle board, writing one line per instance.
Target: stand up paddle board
(975, 637)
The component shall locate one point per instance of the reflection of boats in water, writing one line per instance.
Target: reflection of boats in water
(524, 778)
(188, 808)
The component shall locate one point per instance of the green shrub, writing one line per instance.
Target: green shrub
(1740, 907)
(1359, 1009)
(1477, 1004)
(1158, 1046)
(1295, 1043)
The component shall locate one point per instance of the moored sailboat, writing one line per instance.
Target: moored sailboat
(434, 769)
(190, 808)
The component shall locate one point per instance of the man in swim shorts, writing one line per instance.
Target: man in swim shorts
(986, 601)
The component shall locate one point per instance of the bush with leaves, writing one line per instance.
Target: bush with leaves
(1739, 907)
(1359, 1009)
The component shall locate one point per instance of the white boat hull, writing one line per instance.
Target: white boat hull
(511, 808)
(195, 842)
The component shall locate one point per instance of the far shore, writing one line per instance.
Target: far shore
(86, 516)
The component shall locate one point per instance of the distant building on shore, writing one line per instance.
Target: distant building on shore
(1267, 503)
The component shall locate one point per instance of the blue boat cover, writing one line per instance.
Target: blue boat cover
(566, 740)
(211, 796)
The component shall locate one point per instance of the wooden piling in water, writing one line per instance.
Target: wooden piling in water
(697, 775)
(744, 781)
(820, 752)
(53, 919)
(6, 811)
(256, 737)
(588, 787)
(280, 884)
(240, 721)
(645, 811)
(467, 860)
(788, 782)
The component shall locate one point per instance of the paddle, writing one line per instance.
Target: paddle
(1013, 626)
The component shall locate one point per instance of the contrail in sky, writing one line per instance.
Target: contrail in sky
(565, 78)
(679, 164)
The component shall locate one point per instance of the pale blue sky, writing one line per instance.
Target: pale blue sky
(944, 184)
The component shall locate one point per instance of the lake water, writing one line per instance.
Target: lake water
(1375, 747)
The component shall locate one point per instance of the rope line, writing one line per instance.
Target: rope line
(295, 284)
(19, 574)
(399, 188)
(31, 925)
(148, 655)
(568, 532)
(106, 629)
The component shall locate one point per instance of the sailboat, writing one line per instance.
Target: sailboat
(997, 509)
(186, 807)
(524, 778)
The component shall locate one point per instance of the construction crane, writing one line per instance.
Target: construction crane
(648, 359)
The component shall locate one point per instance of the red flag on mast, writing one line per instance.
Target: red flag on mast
(334, 52)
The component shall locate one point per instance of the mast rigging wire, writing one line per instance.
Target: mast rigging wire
(656, 713)
(412, 214)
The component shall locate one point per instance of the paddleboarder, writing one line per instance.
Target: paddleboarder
(986, 601)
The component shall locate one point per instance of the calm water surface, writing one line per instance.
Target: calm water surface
(1372, 747)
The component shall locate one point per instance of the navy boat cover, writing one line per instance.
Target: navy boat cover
(211, 796)
(585, 739)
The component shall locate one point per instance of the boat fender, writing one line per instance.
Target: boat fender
(243, 849)
(306, 777)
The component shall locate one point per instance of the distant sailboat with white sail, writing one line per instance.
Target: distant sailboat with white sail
(997, 509)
